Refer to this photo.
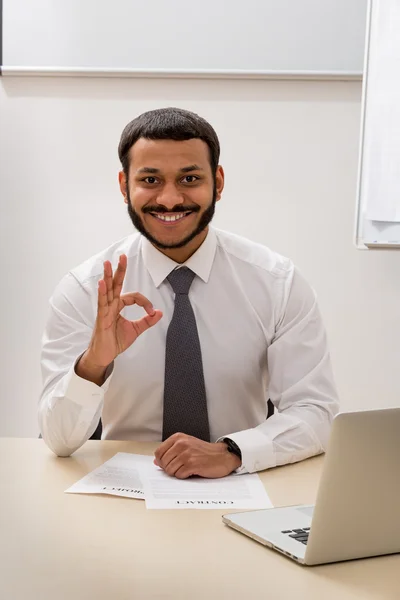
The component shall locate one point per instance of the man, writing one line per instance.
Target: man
(181, 333)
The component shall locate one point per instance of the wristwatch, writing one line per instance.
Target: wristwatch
(232, 447)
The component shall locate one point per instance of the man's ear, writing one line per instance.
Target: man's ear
(123, 185)
(219, 182)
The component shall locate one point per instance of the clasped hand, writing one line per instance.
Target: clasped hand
(183, 455)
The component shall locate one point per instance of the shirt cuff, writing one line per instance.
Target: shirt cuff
(86, 393)
(256, 448)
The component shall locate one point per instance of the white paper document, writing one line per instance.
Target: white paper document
(136, 476)
(233, 491)
(119, 476)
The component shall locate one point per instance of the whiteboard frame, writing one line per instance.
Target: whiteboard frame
(177, 73)
(358, 215)
(112, 72)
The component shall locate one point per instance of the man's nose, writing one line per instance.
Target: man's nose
(169, 196)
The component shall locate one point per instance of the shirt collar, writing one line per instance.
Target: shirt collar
(160, 266)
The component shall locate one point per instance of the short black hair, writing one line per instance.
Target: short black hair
(168, 124)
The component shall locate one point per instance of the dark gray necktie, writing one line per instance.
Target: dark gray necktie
(185, 405)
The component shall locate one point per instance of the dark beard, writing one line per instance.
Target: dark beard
(205, 220)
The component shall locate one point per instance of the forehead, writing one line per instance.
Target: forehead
(169, 154)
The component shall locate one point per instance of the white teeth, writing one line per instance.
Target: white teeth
(170, 218)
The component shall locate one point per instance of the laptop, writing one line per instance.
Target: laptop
(357, 510)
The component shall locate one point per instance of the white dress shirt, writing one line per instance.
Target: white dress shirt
(261, 336)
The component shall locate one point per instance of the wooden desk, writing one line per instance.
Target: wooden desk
(56, 546)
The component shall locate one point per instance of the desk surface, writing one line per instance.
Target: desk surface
(61, 546)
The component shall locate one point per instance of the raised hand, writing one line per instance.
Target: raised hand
(112, 333)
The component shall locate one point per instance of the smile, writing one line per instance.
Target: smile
(170, 218)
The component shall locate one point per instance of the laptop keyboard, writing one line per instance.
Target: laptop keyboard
(301, 535)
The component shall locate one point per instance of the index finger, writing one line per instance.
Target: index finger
(145, 303)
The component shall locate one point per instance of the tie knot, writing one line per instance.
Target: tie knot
(181, 280)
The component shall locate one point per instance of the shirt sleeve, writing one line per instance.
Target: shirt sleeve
(301, 387)
(69, 407)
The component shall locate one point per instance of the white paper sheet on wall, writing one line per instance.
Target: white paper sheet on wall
(383, 153)
(382, 136)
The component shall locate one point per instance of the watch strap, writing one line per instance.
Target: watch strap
(232, 447)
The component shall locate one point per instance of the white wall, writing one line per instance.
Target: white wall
(290, 155)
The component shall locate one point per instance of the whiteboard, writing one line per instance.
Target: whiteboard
(222, 38)
(378, 195)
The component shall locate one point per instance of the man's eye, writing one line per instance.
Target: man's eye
(190, 179)
(150, 180)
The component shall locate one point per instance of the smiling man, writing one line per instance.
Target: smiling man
(181, 333)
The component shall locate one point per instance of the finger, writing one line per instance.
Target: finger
(136, 298)
(102, 303)
(166, 445)
(142, 301)
(108, 278)
(171, 455)
(120, 275)
(183, 472)
(143, 324)
(174, 466)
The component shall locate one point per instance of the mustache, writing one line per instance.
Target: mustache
(176, 209)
